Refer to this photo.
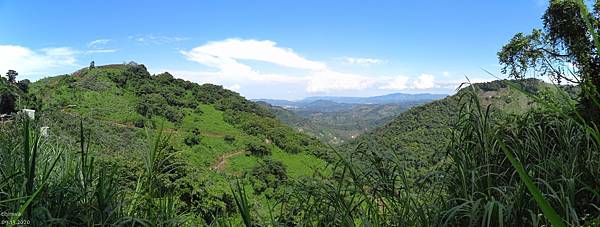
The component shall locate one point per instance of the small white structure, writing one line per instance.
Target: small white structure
(29, 113)
(44, 131)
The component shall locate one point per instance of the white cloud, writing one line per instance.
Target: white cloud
(232, 70)
(363, 61)
(328, 81)
(236, 74)
(226, 57)
(227, 51)
(156, 39)
(422, 82)
(98, 44)
(425, 81)
(316, 76)
(446, 73)
(396, 83)
(27, 61)
(235, 87)
(453, 84)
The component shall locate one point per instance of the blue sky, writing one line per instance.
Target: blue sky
(271, 49)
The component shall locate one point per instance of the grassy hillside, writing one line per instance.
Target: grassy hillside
(212, 132)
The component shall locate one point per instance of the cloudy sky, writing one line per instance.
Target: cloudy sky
(271, 49)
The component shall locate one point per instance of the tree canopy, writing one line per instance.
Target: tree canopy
(12, 76)
(566, 49)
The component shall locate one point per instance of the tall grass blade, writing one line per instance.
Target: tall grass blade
(548, 211)
(241, 201)
(27, 203)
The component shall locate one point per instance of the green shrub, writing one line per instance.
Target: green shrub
(7, 103)
(269, 174)
(191, 140)
(258, 149)
(229, 138)
(173, 115)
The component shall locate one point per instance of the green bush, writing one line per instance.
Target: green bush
(7, 103)
(258, 149)
(229, 138)
(191, 140)
(8, 96)
(173, 114)
(269, 174)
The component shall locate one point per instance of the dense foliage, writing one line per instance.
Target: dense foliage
(567, 49)
(8, 96)
(258, 149)
(269, 176)
(273, 130)
(46, 184)
(13, 93)
(559, 154)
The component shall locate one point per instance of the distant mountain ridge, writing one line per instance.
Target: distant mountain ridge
(382, 99)
(394, 98)
(337, 120)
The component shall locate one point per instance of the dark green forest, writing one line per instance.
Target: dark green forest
(114, 145)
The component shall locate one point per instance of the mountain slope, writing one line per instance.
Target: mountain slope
(420, 134)
(120, 104)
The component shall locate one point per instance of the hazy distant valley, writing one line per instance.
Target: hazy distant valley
(336, 120)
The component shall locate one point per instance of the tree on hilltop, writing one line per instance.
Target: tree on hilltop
(12, 76)
(566, 49)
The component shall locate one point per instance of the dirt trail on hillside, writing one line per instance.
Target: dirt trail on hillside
(221, 163)
(212, 134)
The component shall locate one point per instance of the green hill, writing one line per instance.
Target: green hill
(213, 131)
(419, 136)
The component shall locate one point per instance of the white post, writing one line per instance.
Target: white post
(44, 131)
(30, 113)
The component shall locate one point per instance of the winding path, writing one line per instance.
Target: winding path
(221, 163)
